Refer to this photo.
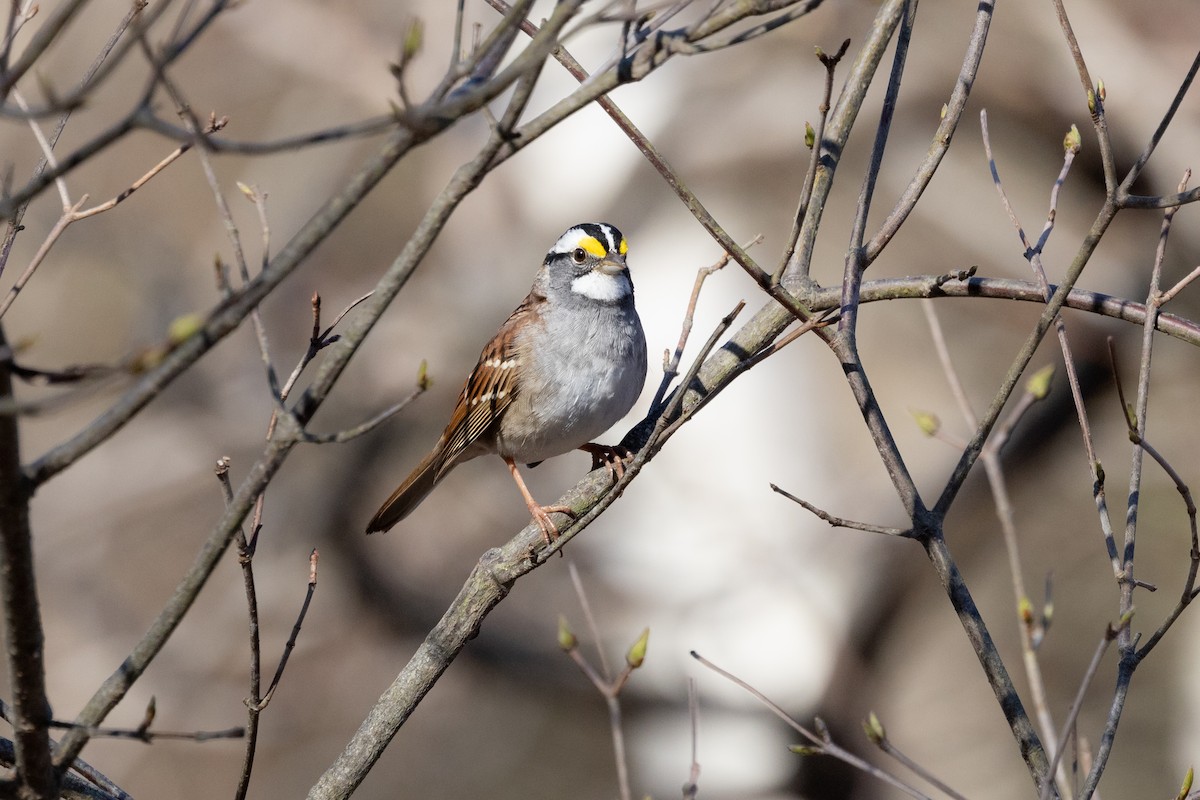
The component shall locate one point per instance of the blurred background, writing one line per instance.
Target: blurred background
(699, 550)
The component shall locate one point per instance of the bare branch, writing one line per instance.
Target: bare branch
(23, 636)
(878, 735)
(823, 744)
(839, 522)
(830, 63)
(1089, 674)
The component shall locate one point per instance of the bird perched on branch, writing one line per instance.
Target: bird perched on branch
(566, 364)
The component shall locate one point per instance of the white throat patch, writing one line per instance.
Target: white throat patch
(601, 287)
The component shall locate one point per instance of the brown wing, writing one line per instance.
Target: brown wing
(490, 388)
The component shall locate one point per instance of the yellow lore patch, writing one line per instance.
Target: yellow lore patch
(622, 248)
(593, 246)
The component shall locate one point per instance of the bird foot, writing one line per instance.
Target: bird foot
(541, 515)
(613, 458)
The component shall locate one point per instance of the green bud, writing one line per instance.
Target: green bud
(822, 729)
(412, 39)
(1073, 142)
(183, 327)
(874, 729)
(1025, 611)
(566, 639)
(927, 422)
(806, 750)
(810, 136)
(1038, 384)
(151, 712)
(423, 379)
(1100, 92)
(637, 653)
(1187, 784)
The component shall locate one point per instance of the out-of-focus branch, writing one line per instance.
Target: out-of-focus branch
(1084, 253)
(1110, 633)
(42, 39)
(822, 742)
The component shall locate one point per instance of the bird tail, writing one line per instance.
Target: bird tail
(410, 493)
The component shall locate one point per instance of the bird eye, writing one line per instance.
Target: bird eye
(578, 255)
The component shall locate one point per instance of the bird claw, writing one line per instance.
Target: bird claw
(541, 515)
(612, 458)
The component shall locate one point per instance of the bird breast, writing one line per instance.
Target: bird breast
(585, 374)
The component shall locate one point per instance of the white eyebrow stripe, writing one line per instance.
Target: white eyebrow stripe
(567, 242)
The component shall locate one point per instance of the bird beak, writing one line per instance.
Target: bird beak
(611, 267)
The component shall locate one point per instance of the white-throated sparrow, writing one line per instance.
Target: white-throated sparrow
(566, 365)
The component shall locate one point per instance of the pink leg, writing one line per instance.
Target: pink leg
(541, 514)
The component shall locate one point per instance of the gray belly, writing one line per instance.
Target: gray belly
(586, 380)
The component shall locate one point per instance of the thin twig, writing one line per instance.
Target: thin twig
(1089, 674)
(149, 736)
(830, 63)
(1095, 101)
(225, 214)
(1168, 295)
(671, 360)
(371, 126)
(855, 262)
(841, 121)
(606, 684)
(822, 744)
(878, 735)
(1188, 593)
(691, 789)
(948, 369)
(319, 340)
(839, 522)
(955, 108)
(1127, 200)
(1033, 254)
(348, 434)
(80, 767)
(291, 642)
(1103, 219)
(246, 560)
(1137, 419)
(588, 617)
(74, 212)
